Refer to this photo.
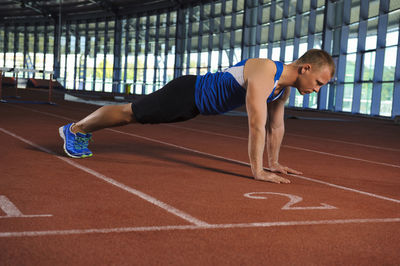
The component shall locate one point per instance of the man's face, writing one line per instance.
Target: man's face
(311, 79)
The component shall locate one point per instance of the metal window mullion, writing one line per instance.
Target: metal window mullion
(57, 50)
(329, 20)
(35, 47)
(76, 50)
(200, 39)
(232, 37)
(146, 51)
(362, 34)
(380, 57)
(45, 47)
(26, 47)
(341, 67)
(253, 29)
(16, 45)
(2, 43)
(189, 40)
(326, 45)
(166, 48)
(96, 49)
(116, 76)
(271, 27)
(221, 33)
(396, 89)
(245, 43)
(180, 42)
(284, 27)
(210, 37)
(127, 38)
(156, 52)
(137, 43)
(67, 51)
(5, 43)
(105, 54)
(296, 44)
(86, 53)
(310, 40)
(258, 30)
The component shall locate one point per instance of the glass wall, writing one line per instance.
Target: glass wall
(140, 53)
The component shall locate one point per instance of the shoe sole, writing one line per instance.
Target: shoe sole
(62, 135)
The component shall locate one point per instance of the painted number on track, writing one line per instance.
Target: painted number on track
(12, 211)
(293, 199)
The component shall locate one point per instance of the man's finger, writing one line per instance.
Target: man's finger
(292, 171)
(284, 180)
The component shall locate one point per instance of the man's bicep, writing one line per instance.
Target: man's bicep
(256, 102)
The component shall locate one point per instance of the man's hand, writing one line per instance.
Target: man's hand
(278, 168)
(270, 177)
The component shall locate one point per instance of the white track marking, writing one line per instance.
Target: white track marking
(312, 137)
(193, 227)
(293, 199)
(8, 207)
(346, 142)
(111, 181)
(12, 211)
(241, 138)
(248, 164)
(341, 156)
(230, 160)
(290, 147)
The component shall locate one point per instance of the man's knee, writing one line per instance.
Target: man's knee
(128, 114)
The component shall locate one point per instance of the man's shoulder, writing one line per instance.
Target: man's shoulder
(259, 68)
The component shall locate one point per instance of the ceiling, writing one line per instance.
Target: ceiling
(14, 10)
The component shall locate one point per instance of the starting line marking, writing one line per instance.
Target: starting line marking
(192, 227)
(12, 211)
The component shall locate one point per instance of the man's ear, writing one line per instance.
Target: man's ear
(307, 67)
(304, 68)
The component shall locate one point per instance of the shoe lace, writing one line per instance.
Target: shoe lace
(82, 142)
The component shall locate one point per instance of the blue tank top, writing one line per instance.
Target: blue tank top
(224, 91)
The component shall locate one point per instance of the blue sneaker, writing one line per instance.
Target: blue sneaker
(75, 145)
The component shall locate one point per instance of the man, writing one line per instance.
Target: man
(263, 85)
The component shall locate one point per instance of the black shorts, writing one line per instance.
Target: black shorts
(175, 102)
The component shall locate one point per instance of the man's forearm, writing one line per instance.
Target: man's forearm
(256, 149)
(274, 141)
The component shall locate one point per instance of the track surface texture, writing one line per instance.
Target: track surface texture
(182, 194)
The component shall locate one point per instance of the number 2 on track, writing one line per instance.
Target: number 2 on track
(293, 199)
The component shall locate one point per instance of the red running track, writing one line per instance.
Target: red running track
(182, 194)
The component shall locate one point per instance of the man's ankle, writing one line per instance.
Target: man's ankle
(75, 129)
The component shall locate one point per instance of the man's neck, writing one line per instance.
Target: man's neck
(289, 76)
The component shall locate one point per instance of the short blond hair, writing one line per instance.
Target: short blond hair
(317, 58)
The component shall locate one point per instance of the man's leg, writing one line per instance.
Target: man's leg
(76, 136)
(104, 117)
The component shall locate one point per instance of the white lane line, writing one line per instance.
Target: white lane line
(248, 164)
(233, 160)
(346, 142)
(310, 137)
(193, 227)
(342, 156)
(288, 146)
(111, 181)
(241, 138)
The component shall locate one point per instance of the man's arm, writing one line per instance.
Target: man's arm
(275, 132)
(256, 104)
